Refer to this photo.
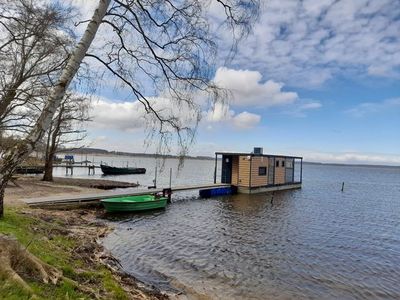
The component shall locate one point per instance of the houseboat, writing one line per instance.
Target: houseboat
(257, 172)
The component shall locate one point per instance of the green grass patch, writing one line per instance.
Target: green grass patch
(112, 287)
(48, 241)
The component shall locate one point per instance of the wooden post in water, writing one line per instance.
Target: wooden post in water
(155, 179)
(69, 167)
(342, 186)
(91, 168)
(167, 193)
(170, 177)
(301, 170)
(215, 169)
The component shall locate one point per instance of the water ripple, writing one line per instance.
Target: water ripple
(312, 243)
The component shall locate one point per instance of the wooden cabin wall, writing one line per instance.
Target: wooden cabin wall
(279, 171)
(235, 170)
(244, 171)
(243, 168)
(257, 180)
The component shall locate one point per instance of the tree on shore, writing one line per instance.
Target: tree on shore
(167, 42)
(32, 54)
(65, 129)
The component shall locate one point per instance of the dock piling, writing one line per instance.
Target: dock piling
(70, 168)
(167, 193)
(155, 179)
(91, 168)
(170, 177)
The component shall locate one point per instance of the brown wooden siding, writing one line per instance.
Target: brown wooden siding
(235, 170)
(279, 171)
(244, 171)
(256, 162)
(244, 167)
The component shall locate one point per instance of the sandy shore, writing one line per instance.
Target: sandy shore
(33, 187)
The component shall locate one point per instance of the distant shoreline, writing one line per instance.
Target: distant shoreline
(351, 165)
(95, 151)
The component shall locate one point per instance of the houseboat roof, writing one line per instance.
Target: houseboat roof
(253, 154)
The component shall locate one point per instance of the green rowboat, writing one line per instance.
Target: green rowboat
(134, 203)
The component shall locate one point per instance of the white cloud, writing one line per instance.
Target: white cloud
(380, 70)
(246, 120)
(123, 116)
(85, 8)
(130, 116)
(305, 43)
(248, 89)
(310, 105)
(222, 113)
(374, 107)
(302, 107)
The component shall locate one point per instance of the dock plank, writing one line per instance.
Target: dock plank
(58, 200)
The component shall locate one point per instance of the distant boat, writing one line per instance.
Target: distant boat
(108, 170)
(134, 203)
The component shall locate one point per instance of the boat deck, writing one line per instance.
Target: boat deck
(95, 198)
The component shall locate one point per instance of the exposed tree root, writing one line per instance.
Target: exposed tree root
(16, 263)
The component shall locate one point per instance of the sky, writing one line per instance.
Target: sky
(318, 79)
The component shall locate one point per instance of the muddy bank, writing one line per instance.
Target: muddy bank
(86, 227)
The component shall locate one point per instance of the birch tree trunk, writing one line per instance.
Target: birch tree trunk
(17, 154)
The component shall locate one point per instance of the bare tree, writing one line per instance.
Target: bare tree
(67, 128)
(32, 52)
(168, 42)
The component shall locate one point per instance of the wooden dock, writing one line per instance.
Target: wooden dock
(69, 168)
(95, 198)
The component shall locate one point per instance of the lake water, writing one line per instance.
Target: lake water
(316, 242)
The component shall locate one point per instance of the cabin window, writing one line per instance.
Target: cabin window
(277, 163)
(262, 171)
(283, 163)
